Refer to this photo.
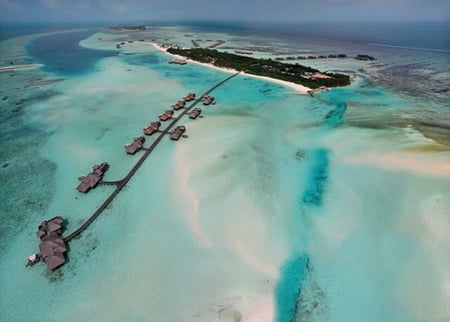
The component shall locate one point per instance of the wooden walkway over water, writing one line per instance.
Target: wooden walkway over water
(122, 183)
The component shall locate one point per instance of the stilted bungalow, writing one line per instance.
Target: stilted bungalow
(166, 115)
(178, 132)
(208, 100)
(179, 105)
(195, 113)
(52, 246)
(152, 128)
(189, 97)
(92, 179)
(137, 145)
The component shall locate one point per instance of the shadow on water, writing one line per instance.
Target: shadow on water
(298, 295)
(336, 117)
(289, 287)
(318, 175)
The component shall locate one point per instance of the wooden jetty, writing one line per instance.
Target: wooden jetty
(137, 145)
(178, 132)
(166, 115)
(152, 128)
(218, 43)
(91, 180)
(195, 113)
(55, 254)
(311, 92)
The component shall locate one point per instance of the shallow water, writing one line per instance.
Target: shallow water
(277, 206)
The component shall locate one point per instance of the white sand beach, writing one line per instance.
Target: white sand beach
(13, 67)
(297, 87)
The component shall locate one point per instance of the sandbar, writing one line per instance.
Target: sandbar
(12, 67)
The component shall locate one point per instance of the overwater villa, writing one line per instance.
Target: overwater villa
(92, 179)
(178, 132)
(152, 128)
(166, 115)
(137, 145)
(189, 97)
(364, 57)
(52, 246)
(208, 100)
(195, 113)
(179, 105)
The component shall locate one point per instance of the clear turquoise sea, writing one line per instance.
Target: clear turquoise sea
(276, 207)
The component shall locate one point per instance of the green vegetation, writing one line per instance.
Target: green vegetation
(294, 73)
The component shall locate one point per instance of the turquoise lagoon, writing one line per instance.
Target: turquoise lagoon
(277, 207)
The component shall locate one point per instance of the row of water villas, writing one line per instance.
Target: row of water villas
(52, 245)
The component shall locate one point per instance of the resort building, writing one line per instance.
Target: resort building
(195, 113)
(137, 145)
(178, 132)
(92, 179)
(189, 97)
(52, 246)
(166, 115)
(179, 105)
(152, 128)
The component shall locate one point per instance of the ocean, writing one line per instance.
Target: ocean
(277, 206)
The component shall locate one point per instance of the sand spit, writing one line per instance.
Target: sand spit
(13, 67)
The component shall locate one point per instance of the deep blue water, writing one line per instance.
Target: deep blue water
(289, 287)
(425, 35)
(10, 30)
(61, 53)
(318, 176)
(336, 117)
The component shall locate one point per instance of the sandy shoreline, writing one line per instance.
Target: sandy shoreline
(297, 87)
(12, 67)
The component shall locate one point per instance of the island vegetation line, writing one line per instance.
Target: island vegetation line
(294, 73)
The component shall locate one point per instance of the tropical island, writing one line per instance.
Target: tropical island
(294, 73)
